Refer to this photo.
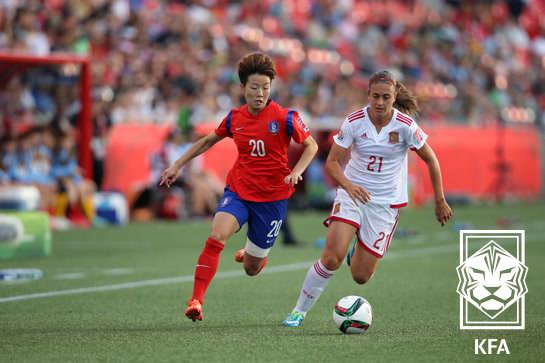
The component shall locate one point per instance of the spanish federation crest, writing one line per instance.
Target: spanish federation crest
(393, 137)
(273, 127)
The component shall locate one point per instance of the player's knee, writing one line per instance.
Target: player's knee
(218, 236)
(362, 278)
(331, 262)
(252, 270)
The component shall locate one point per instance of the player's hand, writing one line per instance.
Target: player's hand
(170, 175)
(293, 178)
(442, 212)
(358, 193)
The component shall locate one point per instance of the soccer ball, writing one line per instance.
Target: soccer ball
(353, 315)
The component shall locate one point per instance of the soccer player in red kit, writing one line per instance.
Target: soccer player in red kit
(259, 184)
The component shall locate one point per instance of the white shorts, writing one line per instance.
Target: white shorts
(376, 224)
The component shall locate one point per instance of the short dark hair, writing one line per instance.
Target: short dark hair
(255, 63)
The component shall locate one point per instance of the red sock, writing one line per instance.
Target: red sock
(263, 264)
(207, 265)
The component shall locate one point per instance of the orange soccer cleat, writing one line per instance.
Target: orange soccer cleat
(239, 256)
(194, 310)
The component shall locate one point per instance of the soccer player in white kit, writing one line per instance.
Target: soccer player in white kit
(372, 188)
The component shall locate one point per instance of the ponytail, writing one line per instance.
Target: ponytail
(405, 100)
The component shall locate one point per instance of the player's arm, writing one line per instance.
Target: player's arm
(170, 175)
(311, 148)
(442, 210)
(333, 168)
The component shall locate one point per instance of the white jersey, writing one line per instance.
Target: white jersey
(379, 160)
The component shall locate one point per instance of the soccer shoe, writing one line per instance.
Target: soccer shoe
(294, 319)
(194, 310)
(350, 254)
(239, 256)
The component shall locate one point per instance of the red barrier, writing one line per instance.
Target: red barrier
(127, 164)
(221, 157)
(468, 156)
(470, 162)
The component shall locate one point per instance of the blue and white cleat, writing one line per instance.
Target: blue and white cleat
(350, 254)
(294, 319)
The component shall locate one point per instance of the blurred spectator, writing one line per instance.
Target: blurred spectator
(204, 188)
(40, 165)
(76, 193)
(195, 193)
(7, 159)
(172, 61)
(26, 161)
(28, 32)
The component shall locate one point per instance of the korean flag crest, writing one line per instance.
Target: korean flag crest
(393, 137)
(273, 127)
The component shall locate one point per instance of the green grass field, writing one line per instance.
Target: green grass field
(142, 275)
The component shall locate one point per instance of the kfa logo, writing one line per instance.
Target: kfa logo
(491, 346)
(492, 279)
(273, 127)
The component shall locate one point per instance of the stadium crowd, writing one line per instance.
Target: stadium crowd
(174, 62)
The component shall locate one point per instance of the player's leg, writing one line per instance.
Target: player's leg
(338, 239)
(63, 199)
(363, 265)
(379, 224)
(253, 265)
(231, 215)
(343, 224)
(70, 190)
(75, 212)
(264, 222)
(224, 226)
(87, 189)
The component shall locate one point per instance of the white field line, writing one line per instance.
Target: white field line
(118, 271)
(71, 276)
(417, 252)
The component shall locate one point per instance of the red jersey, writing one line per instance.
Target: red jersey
(262, 142)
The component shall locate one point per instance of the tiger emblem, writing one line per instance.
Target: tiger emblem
(492, 279)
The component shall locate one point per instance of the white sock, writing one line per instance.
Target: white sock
(315, 283)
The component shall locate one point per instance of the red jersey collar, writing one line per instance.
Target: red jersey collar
(246, 112)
